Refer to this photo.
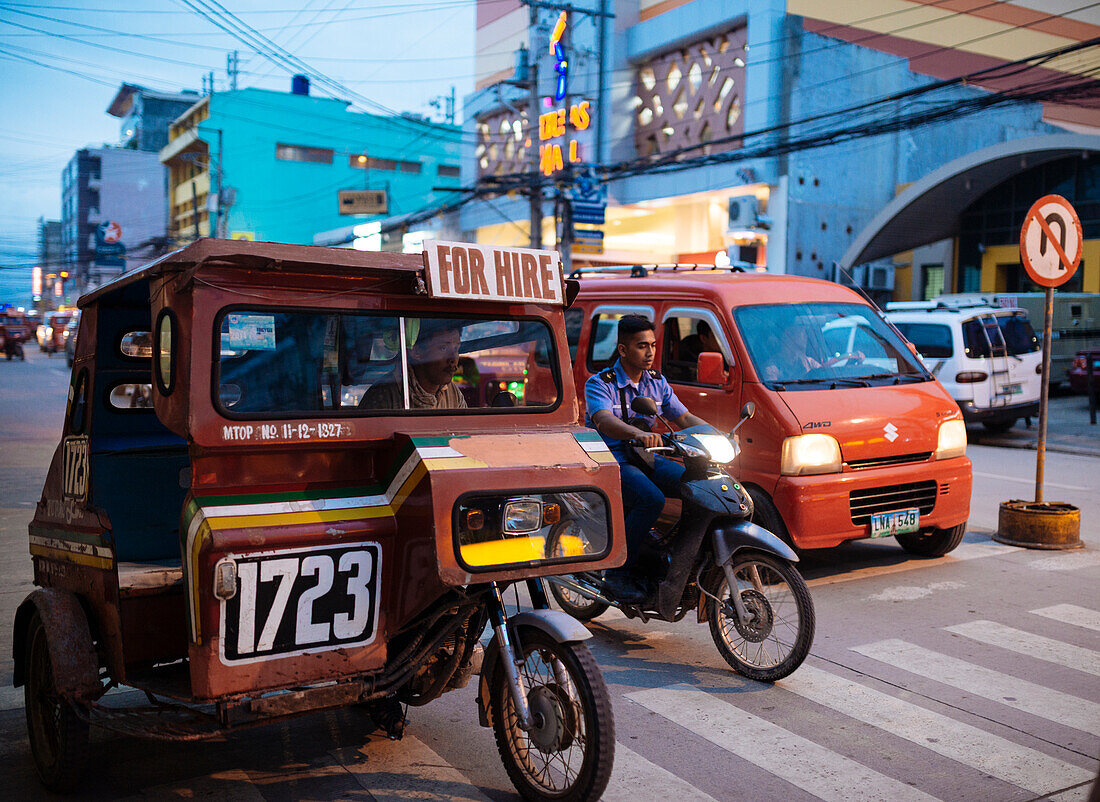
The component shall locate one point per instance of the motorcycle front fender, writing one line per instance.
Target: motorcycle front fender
(560, 626)
(730, 538)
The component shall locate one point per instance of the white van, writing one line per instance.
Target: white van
(988, 358)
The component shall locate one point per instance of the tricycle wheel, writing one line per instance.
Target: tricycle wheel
(59, 738)
(778, 638)
(569, 752)
(936, 544)
(580, 607)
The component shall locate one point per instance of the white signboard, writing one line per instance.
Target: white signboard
(466, 271)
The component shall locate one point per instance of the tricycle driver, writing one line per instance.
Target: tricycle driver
(608, 395)
(433, 359)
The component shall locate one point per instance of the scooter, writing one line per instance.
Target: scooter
(736, 576)
(13, 348)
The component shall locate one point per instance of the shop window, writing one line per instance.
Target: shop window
(301, 153)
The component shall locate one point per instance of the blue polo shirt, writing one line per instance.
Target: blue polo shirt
(599, 393)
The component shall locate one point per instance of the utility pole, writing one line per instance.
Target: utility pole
(533, 132)
(232, 67)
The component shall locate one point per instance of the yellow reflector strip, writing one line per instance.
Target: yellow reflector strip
(518, 550)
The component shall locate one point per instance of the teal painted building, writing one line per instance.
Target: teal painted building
(266, 165)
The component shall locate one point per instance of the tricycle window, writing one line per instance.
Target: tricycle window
(301, 362)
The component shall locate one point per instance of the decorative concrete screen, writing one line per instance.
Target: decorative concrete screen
(502, 145)
(691, 95)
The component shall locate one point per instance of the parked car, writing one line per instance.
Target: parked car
(988, 358)
(852, 436)
(1078, 372)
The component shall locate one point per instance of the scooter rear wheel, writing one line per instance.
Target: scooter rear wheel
(776, 642)
(580, 607)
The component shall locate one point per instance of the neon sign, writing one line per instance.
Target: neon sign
(552, 126)
(561, 64)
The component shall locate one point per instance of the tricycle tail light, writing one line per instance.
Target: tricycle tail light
(551, 513)
(225, 579)
(475, 520)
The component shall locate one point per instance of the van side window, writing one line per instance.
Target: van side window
(574, 322)
(602, 342)
(685, 337)
(933, 340)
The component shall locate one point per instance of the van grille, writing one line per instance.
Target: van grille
(900, 459)
(865, 503)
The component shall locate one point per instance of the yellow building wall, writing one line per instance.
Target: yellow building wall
(999, 259)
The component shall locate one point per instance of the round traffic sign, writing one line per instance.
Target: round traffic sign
(1051, 241)
(112, 231)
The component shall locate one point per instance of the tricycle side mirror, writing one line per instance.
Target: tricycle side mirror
(710, 368)
(644, 405)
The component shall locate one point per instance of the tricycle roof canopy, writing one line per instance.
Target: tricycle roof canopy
(276, 257)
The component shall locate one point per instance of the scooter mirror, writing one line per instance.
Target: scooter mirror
(644, 405)
(748, 410)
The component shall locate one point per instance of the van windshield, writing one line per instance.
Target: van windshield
(810, 346)
(305, 363)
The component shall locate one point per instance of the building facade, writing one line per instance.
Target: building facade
(113, 216)
(773, 132)
(264, 165)
(145, 115)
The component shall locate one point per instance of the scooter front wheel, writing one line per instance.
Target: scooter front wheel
(580, 607)
(778, 638)
(568, 752)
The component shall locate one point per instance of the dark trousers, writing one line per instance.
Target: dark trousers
(643, 497)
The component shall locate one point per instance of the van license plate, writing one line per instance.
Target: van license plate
(887, 524)
(294, 601)
(1012, 389)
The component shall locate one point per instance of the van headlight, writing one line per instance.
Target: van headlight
(809, 454)
(952, 440)
(718, 447)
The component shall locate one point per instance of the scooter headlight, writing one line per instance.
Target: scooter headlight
(720, 449)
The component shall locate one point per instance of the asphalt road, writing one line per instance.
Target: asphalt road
(971, 677)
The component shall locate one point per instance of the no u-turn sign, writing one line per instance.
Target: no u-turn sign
(1051, 241)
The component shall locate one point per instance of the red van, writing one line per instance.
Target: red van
(852, 438)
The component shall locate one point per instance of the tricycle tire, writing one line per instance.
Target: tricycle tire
(570, 756)
(746, 652)
(936, 544)
(584, 610)
(58, 737)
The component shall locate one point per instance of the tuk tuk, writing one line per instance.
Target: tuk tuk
(272, 497)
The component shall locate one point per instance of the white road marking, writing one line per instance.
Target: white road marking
(970, 551)
(1071, 614)
(801, 762)
(1061, 708)
(1025, 643)
(964, 551)
(636, 778)
(407, 769)
(1078, 794)
(913, 592)
(1067, 560)
(1027, 481)
(988, 753)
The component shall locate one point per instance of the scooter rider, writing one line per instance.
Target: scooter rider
(608, 395)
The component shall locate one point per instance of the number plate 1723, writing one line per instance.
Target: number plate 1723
(294, 601)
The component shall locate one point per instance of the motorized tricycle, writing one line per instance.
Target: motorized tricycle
(735, 575)
(13, 333)
(271, 498)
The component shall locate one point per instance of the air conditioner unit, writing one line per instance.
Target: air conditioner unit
(880, 277)
(743, 212)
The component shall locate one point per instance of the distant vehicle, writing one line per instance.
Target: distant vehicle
(70, 338)
(1078, 372)
(987, 358)
(51, 334)
(13, 333)
(1076, 323)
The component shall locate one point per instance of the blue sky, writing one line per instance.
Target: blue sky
(61, 62)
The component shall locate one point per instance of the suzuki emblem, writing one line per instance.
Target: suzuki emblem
(891, 432)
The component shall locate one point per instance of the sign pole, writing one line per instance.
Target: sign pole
(1044, 394)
